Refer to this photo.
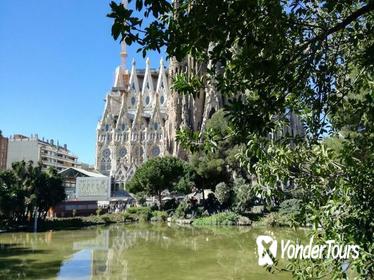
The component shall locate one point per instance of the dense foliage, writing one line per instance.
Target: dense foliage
(314, 59)
(159, 174)
(25, 188)
(227, 218)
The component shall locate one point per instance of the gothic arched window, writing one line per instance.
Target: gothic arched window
(105, 164)
(133, 100)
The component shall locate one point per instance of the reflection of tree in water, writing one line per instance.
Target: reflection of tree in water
(31, 256)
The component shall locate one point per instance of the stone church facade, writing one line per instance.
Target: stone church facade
(132, 127)
(142, 115)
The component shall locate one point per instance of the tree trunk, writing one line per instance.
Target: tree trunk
(203, 196)
(159, 201)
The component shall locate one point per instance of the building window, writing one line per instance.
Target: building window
(155, 151)
(106, 153)
(105, 164)
(122, 152)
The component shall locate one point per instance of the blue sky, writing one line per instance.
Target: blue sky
(57, 61)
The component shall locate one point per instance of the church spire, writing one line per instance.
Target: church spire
(123, 43)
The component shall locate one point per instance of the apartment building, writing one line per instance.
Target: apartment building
(48, 152)
(3, 151)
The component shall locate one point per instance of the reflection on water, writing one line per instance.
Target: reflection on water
(137, 252)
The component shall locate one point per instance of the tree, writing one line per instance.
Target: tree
(7, 198)
(26, 188)
(214, 163)
(288, 54)
(312, 58)
(50, 191)
(244, 195)
(224, 194)
(159, 174)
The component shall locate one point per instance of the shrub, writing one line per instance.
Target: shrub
(277, 219)
(142, 214)
(181, 210)
(292, 210)
(99, 211)
(129, 218)
(244, 195)
(290, 206)
(223, 194)
(159, 216)
(223, 218)
(138, 210)
(141, 198)
(170, 205)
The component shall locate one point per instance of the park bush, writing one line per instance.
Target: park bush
(274, 219)
(291, 209)
(170, 205)
(159, 216)
(223, 218)
(289, 214)
(181, 210)
(140, 214)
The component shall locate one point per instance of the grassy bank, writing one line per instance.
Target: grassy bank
(78, 222)
(131, 215)
(280, 218)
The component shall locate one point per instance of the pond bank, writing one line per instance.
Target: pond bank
(144, 214)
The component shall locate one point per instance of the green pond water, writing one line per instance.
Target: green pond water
(138, 252)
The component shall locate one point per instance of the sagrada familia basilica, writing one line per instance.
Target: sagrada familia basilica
(142, 115)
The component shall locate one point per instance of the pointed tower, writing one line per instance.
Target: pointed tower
(155, 144)
(104, 137)
(132, 127)
(147, 88)
(134, 89)
(123, 53)
(111, 127)
(162, 88)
